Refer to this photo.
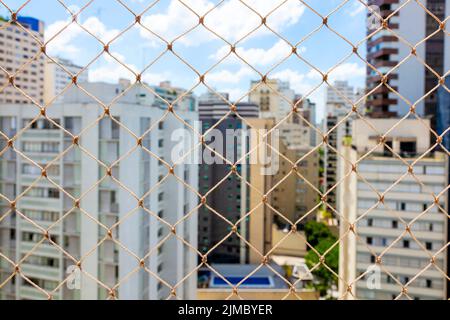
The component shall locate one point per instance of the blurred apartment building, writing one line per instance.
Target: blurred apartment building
(443, 116)
(391, 208)
(308, 111)
(296, 193)
(338, 126)
(229, 195)
(412, 79)
(415, 79)
(116, 215)
(21, 61)
(275, 98)
(58, 76)
(166, 94)
(234, 199)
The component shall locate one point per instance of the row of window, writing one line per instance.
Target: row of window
(36, 237)
(46, 147)
(42, 192)
(401, 187)
(39, 215)
(41, 124)
(406, 262)
(418, 283)
(71, 124)
(418, 169)
(394, 224)
(406, 244)
(44, 284)
(397, 206)
(31, 169)
(42, 261)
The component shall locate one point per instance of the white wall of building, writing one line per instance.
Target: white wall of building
(175, 261)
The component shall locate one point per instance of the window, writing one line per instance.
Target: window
(429, 246)
(405, 243)
(394, 224)
(369, 240)
(387, 148)
(408, 147)
(53, 193)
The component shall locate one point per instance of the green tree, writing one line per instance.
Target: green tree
(325, 278)
(316, 231)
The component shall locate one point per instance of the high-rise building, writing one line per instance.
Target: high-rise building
(210, 97)
(229, 197)
(308, 111)
(167, 93)
(339, 125)
(412, 79)
(388, 207)
(119, 206)
(295, 195)
(338, 97)
(58, 75)
(443, 116)
(20, 47)
(275, 98)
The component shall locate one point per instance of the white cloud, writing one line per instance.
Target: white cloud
(228, 76)
(356, 9)
(232, 20)
(348, 71)
(300, 82)
(235, 93)
(111, 71)
(258, 56)
(63, 43)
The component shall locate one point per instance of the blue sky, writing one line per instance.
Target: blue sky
(232, 20)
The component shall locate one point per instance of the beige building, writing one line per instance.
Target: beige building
(275, 98)
(292, 245)
(295, 135)
(297, 194)
(19, 50)
(390, 208)
(290, 200)
(259, 226)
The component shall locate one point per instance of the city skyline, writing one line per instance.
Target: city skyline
(121, 179)
(263, 48)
